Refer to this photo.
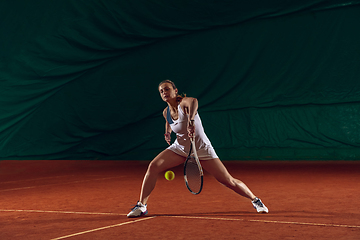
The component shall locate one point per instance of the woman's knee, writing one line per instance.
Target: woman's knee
(154, 167)
(226, 180)
(165, 160)
(230, 182)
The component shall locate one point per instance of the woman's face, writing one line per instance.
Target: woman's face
(167, 92)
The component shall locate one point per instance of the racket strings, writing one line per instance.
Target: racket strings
(193, 176)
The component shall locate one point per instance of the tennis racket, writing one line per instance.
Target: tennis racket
(193, 172)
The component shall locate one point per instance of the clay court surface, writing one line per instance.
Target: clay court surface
(90, 200)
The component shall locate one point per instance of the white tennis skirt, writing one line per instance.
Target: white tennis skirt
(205, 153)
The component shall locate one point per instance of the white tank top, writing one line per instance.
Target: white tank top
(179, 126)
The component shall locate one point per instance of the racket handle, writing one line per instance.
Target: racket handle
(196, 157)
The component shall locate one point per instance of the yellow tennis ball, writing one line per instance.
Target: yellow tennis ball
(169, 175)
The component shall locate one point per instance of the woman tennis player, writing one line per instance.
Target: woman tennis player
(182, 117)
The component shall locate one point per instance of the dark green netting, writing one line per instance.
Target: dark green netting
(274, 79)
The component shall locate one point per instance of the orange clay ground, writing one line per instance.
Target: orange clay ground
(90, 199)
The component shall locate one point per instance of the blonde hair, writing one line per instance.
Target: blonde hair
(179, 96)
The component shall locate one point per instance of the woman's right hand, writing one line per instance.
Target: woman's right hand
(168, 138)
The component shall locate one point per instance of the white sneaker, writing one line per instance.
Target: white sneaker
(138, 211)
(259, 206)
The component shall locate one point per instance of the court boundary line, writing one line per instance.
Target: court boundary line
(35, 179)
(63, 212)
(54, 184)
(42, 178)
(267, 221)
(189, 217)
(103, 228)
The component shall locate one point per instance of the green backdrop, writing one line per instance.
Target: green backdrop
(274, 79)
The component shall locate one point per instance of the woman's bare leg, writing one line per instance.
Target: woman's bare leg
(216, 168)
(165, 160)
